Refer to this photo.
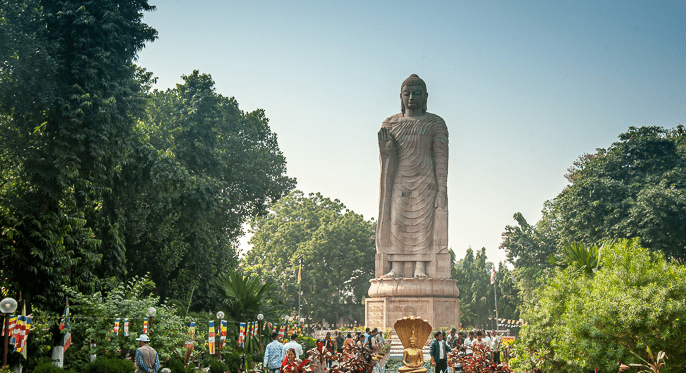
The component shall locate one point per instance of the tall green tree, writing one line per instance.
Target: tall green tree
(636, 188)
(477, 298)
(201, 168)
(336, 247)
(528, 248)
(69, 97)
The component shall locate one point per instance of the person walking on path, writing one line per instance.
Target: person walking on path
(147, 360)
(294, 345)
(495, 346)
(273, 354)
(439, 353)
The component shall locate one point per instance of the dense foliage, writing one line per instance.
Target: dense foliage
(69, 97)
(243, 297)
(477, 301)
(103, 179)
(635, 299)
(128, 300)
(337, 251)
(110, 366)
(201, 168)
(636, 188)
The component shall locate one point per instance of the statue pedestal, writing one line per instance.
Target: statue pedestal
(433, 299)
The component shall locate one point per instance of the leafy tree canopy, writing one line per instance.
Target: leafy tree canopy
(200, 169)
(68, 101)
(634, 189)
(337, 251)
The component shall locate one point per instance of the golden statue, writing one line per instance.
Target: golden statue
(413, 332)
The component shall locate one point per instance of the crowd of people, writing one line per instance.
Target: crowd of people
(464, 344)
(281, 358)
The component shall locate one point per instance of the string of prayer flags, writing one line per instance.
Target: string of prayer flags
(116, 326)
(282, 329)
(126, 327)
(210, 338)
(145, 325)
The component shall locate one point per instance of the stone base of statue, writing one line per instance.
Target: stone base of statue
(433, 299)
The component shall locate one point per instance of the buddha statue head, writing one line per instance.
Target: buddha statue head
(413, 94)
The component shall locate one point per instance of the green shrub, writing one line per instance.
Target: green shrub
(218, 367)
(47, 367)
(232, 359)
(110, 366)
(175, 365)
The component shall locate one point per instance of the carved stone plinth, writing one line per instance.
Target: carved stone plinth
(413, 287)
(439, 312)
(434, 299)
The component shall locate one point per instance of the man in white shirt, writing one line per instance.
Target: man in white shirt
(439, 353)
(487, 338)
(294, 345)
(468, 342)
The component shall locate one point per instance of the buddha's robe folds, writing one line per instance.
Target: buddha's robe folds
(410, 179)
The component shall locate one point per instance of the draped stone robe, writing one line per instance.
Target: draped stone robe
(409, 222)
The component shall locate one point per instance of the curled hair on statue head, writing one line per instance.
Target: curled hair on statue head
(413, 79)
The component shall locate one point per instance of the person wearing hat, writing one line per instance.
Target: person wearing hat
(147, 360)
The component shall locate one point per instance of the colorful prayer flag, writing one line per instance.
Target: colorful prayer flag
(191, 332)
(21, 331)
(64, 324)
(13, 324)
(126, 327)
(145, 325)
(116, 326)
(282, 329)
(493, 276)
(241, 335)
(210, 339)
(222, 336)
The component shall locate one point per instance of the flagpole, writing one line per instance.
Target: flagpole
(495, 295)
(299, 285)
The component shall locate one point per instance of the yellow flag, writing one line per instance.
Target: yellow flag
(300, 269)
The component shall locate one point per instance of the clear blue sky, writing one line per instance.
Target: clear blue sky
(525, 87)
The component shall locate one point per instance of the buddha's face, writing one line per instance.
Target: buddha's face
(413, 96)
(413, 342)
